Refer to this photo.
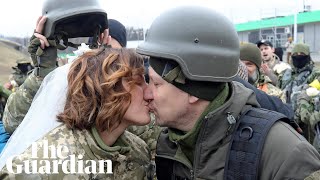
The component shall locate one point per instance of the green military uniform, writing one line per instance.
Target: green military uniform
(149, 133)
(19, 103)
(295, 83)
(285, 155)
(264, 84)
(18, 76)
(314, 176)
(4, 94)
(302, 103)
(129, 155)
(250, 52)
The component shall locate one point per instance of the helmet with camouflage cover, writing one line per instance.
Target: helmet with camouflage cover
(23, 60)
(203, 42)
(74, 18)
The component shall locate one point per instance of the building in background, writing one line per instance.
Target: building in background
(278, 29)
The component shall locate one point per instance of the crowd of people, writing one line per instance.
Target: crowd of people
(190, 102)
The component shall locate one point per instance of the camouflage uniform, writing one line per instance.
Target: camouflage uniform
(129, 155)
(19, 103)
(264, 84)
(307, 108)
(4, 94)
(18, 76)
(149, 133)
(4, 136)
(314, 176)
(295, 83)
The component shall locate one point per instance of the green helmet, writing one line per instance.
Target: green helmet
(301, 48)
(250, 52)
(203, 42)
(74, 18)
(23, 61)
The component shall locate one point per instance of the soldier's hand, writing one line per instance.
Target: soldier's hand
(39, 30)
(43, 51)
(265, 69)
(104, 38)
(8, 86)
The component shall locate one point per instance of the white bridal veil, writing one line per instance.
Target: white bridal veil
(41, 117)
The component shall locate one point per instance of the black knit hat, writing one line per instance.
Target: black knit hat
(201, 89)
(118, 32)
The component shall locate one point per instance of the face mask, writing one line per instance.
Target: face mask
(300, 61)
(24, 68)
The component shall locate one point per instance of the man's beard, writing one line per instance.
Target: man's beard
(252, 79)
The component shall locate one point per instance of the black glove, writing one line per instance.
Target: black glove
(44, 60)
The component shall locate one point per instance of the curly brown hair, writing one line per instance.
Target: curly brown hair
(96, 95)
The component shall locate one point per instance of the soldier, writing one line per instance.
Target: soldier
(4, 136)
(149, 133)
(20, 72)
(242, 71)
(104, 97)
(58, 27)
(289, 46)
(192, 94)
(306, 102)
(250, 55)
(271, 64)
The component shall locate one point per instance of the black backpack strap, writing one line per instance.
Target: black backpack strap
(245, 149)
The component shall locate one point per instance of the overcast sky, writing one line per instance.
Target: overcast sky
(18, 17)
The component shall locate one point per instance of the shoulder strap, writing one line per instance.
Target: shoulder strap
(247, 142)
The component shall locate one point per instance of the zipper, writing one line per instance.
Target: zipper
(192, 172)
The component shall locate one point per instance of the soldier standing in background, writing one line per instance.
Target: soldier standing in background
(270, 61)
(289, 46)
(303, 91)
(250, 55)
(19, 73)
(4, 136)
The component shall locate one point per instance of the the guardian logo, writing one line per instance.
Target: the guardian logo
(54, 157)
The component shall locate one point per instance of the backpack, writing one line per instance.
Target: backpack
(247, 142)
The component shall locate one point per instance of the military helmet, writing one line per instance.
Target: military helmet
(203, 42)
(74, 18)
(301, 48)
(23, 60)
(250, 52)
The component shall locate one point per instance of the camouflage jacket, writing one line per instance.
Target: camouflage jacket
(149, 133)
(306, 110)
(19, 103)
(18, 77)
(129, 157)
(314, 176)
(264, 84)
(4, 94)
(295, 81)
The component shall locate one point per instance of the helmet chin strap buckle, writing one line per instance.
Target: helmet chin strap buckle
(94, 44)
